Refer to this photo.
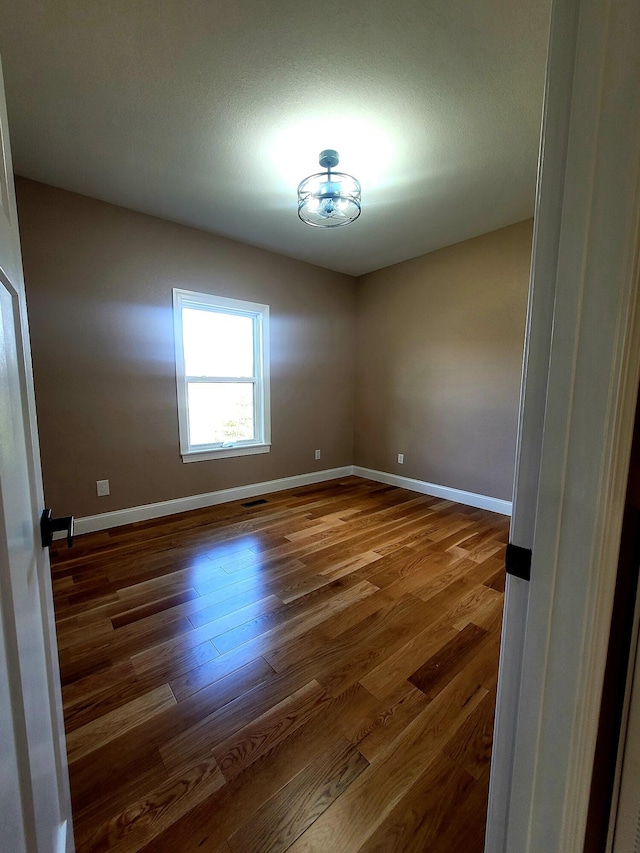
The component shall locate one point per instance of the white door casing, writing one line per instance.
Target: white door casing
(34, 789)
(587, 264)
(533, 395)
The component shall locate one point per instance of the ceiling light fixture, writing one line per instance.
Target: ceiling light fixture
(329, 199)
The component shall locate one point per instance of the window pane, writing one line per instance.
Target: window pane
(220, 412)
(217, 344)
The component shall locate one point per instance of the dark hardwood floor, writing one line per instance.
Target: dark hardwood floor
(313, 673)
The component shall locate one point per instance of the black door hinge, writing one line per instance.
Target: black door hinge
(517, 561)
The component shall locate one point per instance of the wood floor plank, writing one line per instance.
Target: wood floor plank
(100, 731)
(81, 690)
(350, 640)
(470, 746)
(498, 581)
(290, 630)
(224, 606)
(213, 729)
(335, 569)
(479, 607)
(142, 821)
(112, 696)
(152, 607)
(466, 830)
(238, 801)
(441, 667)
(173, 657)
(73, 633)
(357, 613)
(431, 803)
(373, 733)
(442, 619)
(397, 667)
(214, 670)
(355, 816)
(275, 826)
(88, 818)
(128, 753)
(237, 752)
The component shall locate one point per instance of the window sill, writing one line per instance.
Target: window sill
(225, 452)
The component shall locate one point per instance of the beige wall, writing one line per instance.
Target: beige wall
(436, 375)
(99, 281)
(440, 341)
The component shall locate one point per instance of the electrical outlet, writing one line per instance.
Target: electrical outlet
(318, 454)
(401, 458)
(102, 487)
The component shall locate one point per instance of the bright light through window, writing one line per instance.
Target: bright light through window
(217, 343)
(222, 369)
(220, 413)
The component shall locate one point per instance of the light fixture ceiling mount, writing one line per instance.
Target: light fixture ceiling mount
(329, 199)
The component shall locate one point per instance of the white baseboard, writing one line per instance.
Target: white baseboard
(457, 495)
(105, 520)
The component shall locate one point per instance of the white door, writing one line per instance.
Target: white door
(580, 384)
(34, 798)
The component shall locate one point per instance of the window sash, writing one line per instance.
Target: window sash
(257, 420)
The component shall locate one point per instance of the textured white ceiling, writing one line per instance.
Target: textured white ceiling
(209, 113)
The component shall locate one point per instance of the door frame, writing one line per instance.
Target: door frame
(577, 416)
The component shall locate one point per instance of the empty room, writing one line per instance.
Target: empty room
(277, 265)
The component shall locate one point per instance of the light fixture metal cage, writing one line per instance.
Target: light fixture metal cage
(329, 199)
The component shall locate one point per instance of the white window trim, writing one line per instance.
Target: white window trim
(189, 298)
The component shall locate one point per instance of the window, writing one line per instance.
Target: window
(222, 370)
